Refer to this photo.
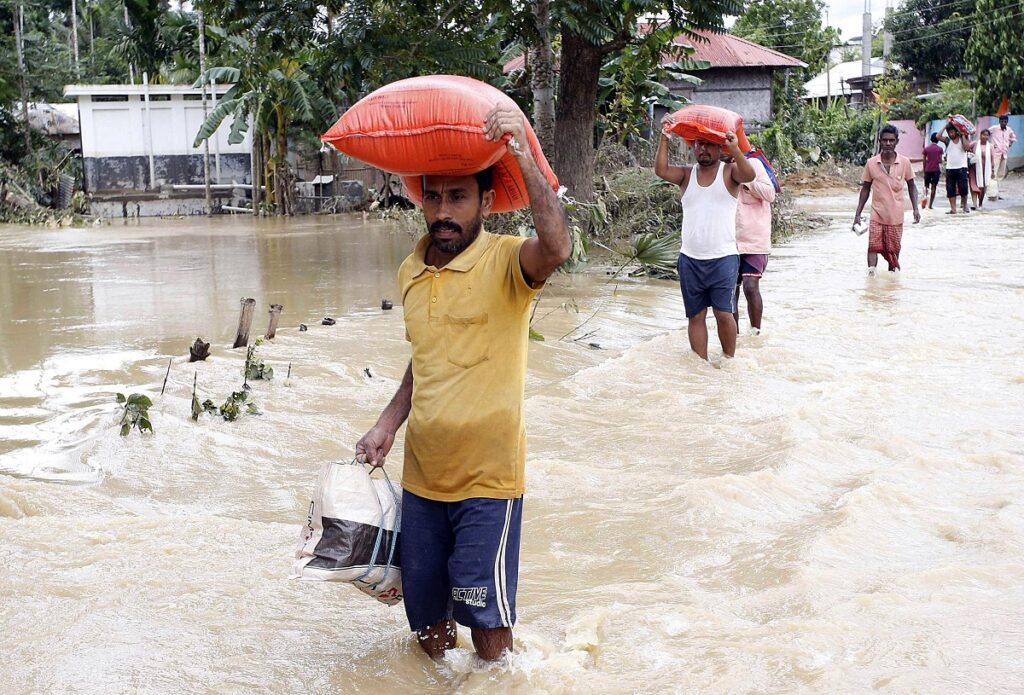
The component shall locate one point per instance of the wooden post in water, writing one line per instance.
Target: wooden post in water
(275, 314)
(244, 322)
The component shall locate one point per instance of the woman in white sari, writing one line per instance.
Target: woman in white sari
(980, 168)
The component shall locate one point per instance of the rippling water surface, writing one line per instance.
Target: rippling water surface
(838, 509)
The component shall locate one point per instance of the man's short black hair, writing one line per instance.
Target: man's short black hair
(484, 180)
(935, 137)
(1004, 116)
(889, 128)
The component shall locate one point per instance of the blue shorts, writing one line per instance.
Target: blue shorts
(708, 283)
(460, 560)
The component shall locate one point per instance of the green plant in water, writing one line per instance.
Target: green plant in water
(254, 367)
(232, 407)
(135, 413)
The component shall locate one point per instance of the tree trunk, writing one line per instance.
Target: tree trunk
(282, 174)
(74, 33)
(19, 17)
(542, 78)
(206, 143)
(574, 114)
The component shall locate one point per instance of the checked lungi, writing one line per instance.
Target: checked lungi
(886, 240)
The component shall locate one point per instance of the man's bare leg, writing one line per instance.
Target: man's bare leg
(952, 206)
(726, 332)
(492, 643)
(736, 303)
(963, 203)
(697, 332)
(931, 201)
(752, 291)
(872, 259)
(438, 638)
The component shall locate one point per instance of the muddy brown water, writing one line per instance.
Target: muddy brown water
(838, 509)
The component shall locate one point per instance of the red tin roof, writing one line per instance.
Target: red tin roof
(721, 50)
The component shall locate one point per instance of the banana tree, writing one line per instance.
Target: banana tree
(270, 94)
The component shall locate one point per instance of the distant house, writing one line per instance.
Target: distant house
(844, 80)
(739, 78)
(137, 148)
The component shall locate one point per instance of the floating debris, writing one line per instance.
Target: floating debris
(303, 328)
(386, 304)
(199, 351)
(328, 321)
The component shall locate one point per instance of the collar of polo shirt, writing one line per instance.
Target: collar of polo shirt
(461, 263)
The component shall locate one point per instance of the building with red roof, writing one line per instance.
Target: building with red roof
(739, 77)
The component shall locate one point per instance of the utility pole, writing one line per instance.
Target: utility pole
(886, 34)
(865, 49)
(128, 24)
(19, 36)
(206, 142)
(74, 32)
(828, 68)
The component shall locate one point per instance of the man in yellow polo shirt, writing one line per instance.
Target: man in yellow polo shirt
(466, 295)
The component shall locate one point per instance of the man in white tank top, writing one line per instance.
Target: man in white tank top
(956, 167)
(708, 259)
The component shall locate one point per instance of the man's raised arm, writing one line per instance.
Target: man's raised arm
(539, 256)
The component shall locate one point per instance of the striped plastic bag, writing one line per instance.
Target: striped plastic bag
(963, 124)
(351, 533)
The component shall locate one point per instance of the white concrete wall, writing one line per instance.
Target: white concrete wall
(120, 128)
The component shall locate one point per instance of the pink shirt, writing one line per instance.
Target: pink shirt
(754, 212)
(1002, 140)
(887, 190)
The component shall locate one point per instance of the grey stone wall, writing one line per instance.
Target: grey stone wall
(109, 174)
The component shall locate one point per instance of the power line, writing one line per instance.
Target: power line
(786, 25)
(967, 27)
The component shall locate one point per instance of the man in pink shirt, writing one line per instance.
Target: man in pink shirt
(753, 240)
(882, 181)
(1002, 140)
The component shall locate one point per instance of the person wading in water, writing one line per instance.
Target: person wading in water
(883, 180)
(466, 295)
(753, 239)
(708, 260)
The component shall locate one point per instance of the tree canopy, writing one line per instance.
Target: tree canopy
(994, 55)
(927, 32)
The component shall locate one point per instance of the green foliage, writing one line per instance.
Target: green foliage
(994, 55)
(135, 413)
(254, 368)
(834, 132)
(793, 27)
(928, 33)
(954, 96)
(657, 252)
(232, 407)
(630, 84)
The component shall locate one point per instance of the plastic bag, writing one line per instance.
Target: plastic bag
(434, 125)
(351, 533)
(963, 124)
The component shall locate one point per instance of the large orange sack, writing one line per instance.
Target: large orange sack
(702, 122)
(434, 125)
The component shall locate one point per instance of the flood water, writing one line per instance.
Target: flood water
(837, 510)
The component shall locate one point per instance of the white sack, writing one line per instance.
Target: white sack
(351, 534)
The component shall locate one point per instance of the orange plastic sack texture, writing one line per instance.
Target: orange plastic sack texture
(434, 125)
(698, 121)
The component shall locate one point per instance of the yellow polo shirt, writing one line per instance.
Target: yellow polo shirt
(469, 327)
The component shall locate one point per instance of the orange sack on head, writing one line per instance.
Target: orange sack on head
(701, 122)
(433, 125)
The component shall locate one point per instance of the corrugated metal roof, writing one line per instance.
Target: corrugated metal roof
(728, 51)
(721, 50)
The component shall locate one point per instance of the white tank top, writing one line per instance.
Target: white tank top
(956, 156)
(709, 218)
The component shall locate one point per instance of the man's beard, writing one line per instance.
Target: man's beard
(458, 243)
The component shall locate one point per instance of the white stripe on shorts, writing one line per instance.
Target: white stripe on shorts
(499, 572)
